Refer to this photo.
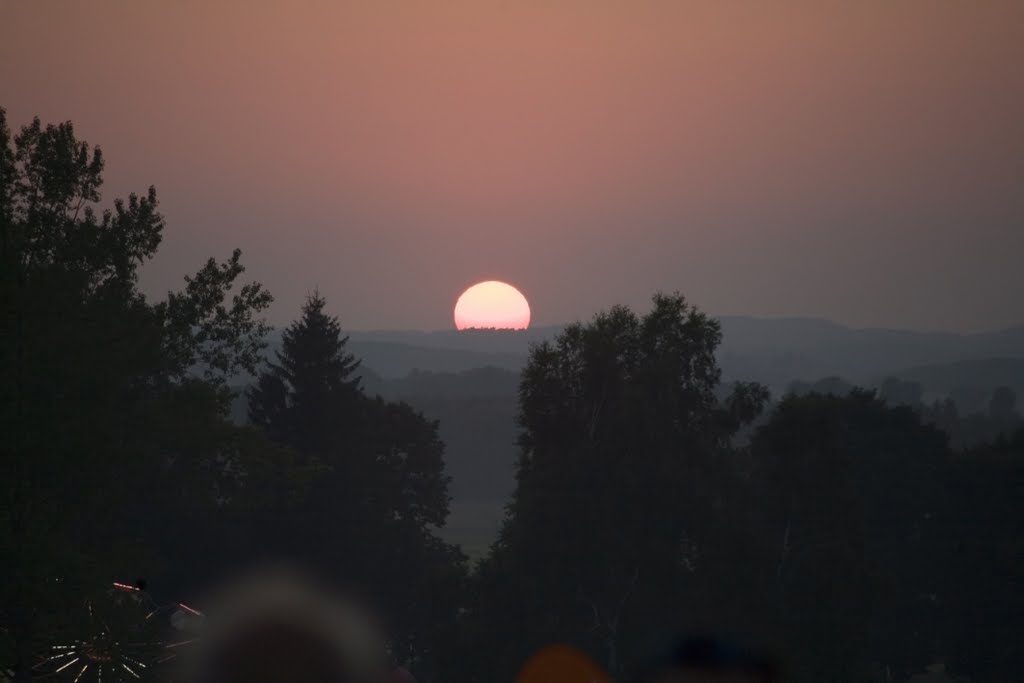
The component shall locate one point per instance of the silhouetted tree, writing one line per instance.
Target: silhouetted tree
(897, 392)
(377, 461)
(970, 399)
(377, 475)
(1001, 407)
(848, 487)
(974, 429)
(942, 414)
(93, 379)
(979, 533)
(614, 508)
(300, 399)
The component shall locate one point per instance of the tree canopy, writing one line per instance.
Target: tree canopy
(380, 488)
(112, 406)
(614, 507)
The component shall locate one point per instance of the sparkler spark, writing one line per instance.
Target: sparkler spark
(126, 634)
(135, 661)
(184, 642)
(189, 609)
(67, 665)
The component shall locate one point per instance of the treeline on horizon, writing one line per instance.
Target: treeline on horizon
(973, 400)
(477, 409)
(842, 532)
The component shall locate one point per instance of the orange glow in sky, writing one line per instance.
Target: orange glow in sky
(492, 304)
(760, 157)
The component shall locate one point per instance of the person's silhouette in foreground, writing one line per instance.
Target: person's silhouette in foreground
(276, 629)
(709, 660)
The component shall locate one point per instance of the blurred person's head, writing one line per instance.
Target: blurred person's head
(276, 628)
(709, 660)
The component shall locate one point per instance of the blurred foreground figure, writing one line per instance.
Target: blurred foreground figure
(278, 628)
(561, 664)
(708, 660)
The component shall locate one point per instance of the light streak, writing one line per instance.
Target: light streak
(189, 609)
(67, 665)
(184, 642)
(134, 661)
(105, 646)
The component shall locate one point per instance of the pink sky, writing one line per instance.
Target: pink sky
(857, 161)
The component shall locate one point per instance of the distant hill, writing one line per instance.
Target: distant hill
(745, 334)
(769, 350)
(485, 341)
(986, 373)
(777, 351)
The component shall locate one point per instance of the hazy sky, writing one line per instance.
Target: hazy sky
(860, 161)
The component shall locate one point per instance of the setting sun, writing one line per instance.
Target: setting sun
(492, 304)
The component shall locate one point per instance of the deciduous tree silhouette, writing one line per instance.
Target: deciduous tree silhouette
(847, 487)
(613, 512)
(98, 457)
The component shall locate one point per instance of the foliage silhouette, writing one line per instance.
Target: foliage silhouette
(614, 503)
(378, 476)
(111, 438)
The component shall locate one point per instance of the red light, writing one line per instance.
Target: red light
(125, 586)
